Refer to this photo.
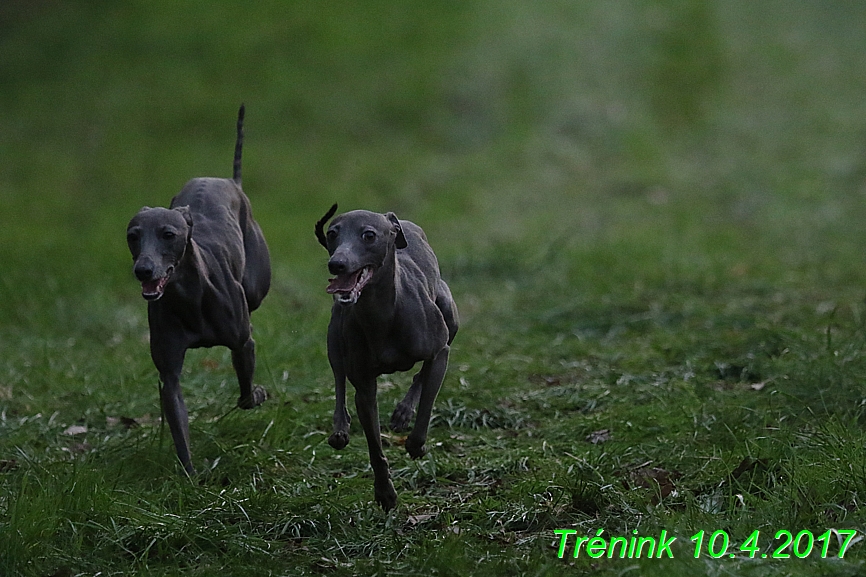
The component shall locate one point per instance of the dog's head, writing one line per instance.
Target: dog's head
(359, 242)
(157, 239)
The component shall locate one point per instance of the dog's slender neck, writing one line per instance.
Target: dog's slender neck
(377, 305)
(189, 278)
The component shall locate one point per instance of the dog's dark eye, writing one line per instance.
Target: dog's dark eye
(168, 235)
(332, 235)
(368, 235)
(132, 236)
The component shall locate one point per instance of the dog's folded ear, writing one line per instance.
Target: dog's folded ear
(187, 215)
(400, 241)
(320, 225)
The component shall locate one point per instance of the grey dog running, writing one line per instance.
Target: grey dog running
(204, 267)
(391, 310)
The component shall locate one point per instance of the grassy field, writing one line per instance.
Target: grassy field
(651, 215)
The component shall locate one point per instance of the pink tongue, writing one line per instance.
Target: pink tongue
(343, 283)
(150, 286)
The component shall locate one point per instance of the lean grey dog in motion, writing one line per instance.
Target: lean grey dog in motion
(204, 266)
(391, 310)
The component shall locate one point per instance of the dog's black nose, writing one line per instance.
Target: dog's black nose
(143, 271)
(337, 266)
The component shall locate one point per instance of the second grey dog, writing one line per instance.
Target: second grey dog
(391, 310)
(204, 266)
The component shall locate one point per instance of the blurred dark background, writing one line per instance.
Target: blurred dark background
(687, 137)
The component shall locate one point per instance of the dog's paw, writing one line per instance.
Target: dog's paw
(401, 417)
(415, 448)
(339, 439)
(386, 496)
(256, 397)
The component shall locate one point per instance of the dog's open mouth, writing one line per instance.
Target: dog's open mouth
(347, 288)
(153, 289)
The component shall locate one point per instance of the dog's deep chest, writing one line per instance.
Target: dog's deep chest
(372, 351)
(207, 314)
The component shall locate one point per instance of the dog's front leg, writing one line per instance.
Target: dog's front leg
(431, 375)
(244, 362)
(368, 414)
(340, 437)
(168, 353)
(175, 413)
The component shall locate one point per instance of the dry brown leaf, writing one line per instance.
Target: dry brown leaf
(75, 430)
(418, 519)
(654, 478)
(597, 437)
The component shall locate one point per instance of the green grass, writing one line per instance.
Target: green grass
(650, 214)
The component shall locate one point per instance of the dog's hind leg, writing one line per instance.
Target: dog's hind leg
(405, 409)
(446, 305)
(244, 361)
(431, 375)
(368, 414)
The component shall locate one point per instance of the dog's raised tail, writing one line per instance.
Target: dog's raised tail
(239, 145)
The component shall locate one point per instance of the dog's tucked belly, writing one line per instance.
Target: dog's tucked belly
(392, 360)
(372, 364)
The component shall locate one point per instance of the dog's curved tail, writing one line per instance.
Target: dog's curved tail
(239, 145)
